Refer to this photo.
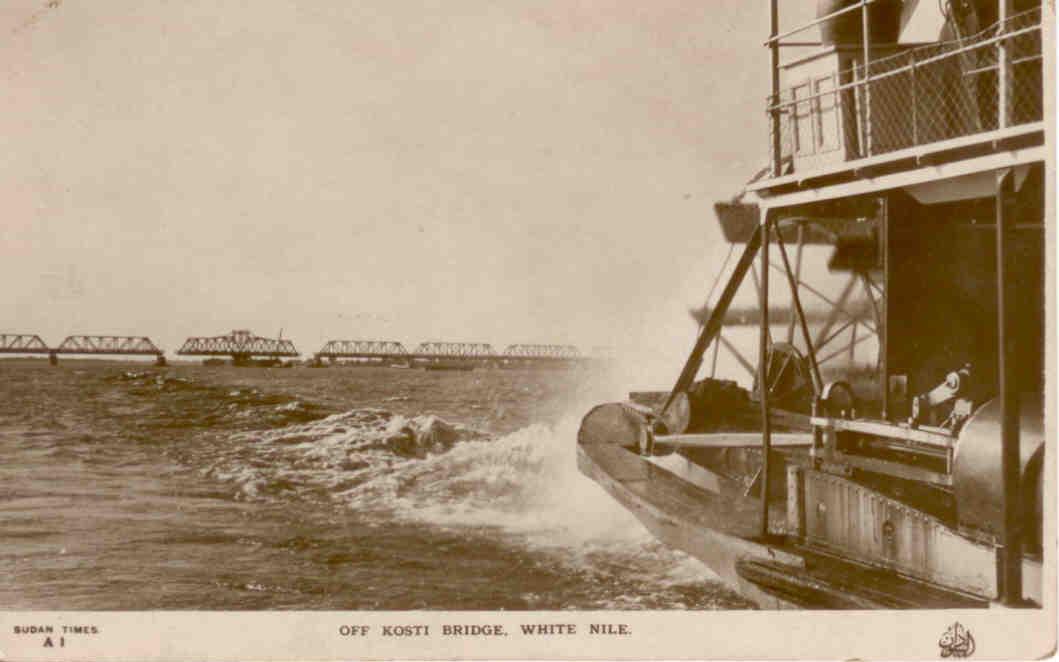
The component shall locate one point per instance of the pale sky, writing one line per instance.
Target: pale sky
(517, 171)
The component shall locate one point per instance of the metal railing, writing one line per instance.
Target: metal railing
(984, 83)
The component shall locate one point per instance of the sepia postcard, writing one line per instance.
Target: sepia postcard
(528, 330)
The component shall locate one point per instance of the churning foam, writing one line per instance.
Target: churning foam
(525, 483)
(523, 487)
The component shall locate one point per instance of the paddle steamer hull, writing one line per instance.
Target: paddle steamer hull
(913, 477)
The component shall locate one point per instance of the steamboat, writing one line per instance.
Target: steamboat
(909, 145)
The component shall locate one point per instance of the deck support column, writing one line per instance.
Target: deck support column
(1010, 579)
(762, 369)
(882, 322)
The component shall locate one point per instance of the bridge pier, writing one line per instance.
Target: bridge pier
(160, 361)
(53, 358)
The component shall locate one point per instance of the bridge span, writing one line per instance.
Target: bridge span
(242, 345)
(83, 345)
(22, 343)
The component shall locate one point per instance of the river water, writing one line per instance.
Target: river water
(124, 486)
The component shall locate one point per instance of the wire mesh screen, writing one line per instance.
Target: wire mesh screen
(929, 94)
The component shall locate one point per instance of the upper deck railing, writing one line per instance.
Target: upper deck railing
(910, 101)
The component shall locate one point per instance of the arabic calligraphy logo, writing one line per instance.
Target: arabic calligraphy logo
(956, 642)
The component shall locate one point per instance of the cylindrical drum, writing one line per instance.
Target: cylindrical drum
(977, 480)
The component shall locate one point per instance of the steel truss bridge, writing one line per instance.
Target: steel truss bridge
(82, 345)
(433, 353)
(241, 345)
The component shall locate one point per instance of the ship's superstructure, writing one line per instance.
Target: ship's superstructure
(912, 139)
